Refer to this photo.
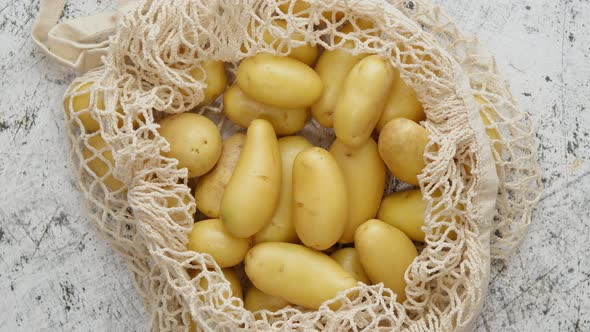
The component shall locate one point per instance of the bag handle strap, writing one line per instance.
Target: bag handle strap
(79, 43)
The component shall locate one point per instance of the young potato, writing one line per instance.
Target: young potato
(364, 174)
(405, 210)
(362, 100)
(279, 81)
(210, 187)
(211, 237)
(194, 141)
(320, 199)
(281, 228)
(349, 260)
(80, 103)
(215, 78)
(252, 194)
(256, 300)
(385, 252)
(295, 273)
(402, 103)
(242, 110)
(100, 163)
(401, 146)
(306, 53)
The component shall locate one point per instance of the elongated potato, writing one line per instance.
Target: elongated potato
(211, 237)
(349, 260)
(364, 175)
(194, 141)
(279, 81)
(242, 110)
(281, 228)
(362, 101)
(385, 252)
(215, 78)
(252, 194)
(405, 210)
(320, 199)
(402, 103)
(401, 146)
(256, 300)
(101, 163)
(210, 187)
(295, 273)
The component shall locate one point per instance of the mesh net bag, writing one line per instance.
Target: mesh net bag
(481, 181)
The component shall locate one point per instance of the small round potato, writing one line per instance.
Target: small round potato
(211, 237)
(256, 300)
(349, 260)
(101, 166)
(215, 78)
(405, 210)
(401, 146)
(402, 103)
(194, 141)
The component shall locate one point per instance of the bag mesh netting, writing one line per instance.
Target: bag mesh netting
(480, 188)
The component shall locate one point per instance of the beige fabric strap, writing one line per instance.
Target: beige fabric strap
(79, 43)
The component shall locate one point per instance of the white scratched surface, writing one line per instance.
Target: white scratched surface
(57, 274)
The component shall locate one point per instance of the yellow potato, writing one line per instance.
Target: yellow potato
(488, 117)
(401, 146)
(215, 78)
(364, 175)
(100, 166)
(210, 187)
(256, 300)
(385, 252)
(295, 273)
(194, 141)
(281, 228)
(234, 283)
(349, 260)
(242, 110)
(211, 237)
(279, 81)
(405, 210)
(275, 36)
(320, 199)
(402, 103)
(362, 100)
(252, 194)
(80, 103)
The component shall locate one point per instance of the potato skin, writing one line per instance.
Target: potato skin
(279, 81)
(211, 237)
(401, 146)
(258, 171)
(295, 273)
(256, 300)
(364, 174)
(320, 199)
(401, 103)
(363, 98)
(215, 78)
(194, 140)
(405, 210)
(349, 260)
(386, 253)
(242, 110)
(210, 187)
(99, 166)
(281, 228)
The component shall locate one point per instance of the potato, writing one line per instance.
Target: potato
(281, 228)
(402, 103)
(234, 283)
(211, 237)
(194, 141)
(295, 273)
(210, 187)
(101, 163)
(279, 81)
(256, 300)
(252, 194)
(80, 103)
(362, 100)
(401, 146)
(242, 110)
(320, 199)
(385, 252)
(364, 175)
(275, 36)
(215, 78)
(349, 260)
(405, 210)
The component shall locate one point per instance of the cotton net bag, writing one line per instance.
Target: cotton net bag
(481, 179)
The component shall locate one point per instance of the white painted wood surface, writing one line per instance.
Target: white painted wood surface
(56, 274)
